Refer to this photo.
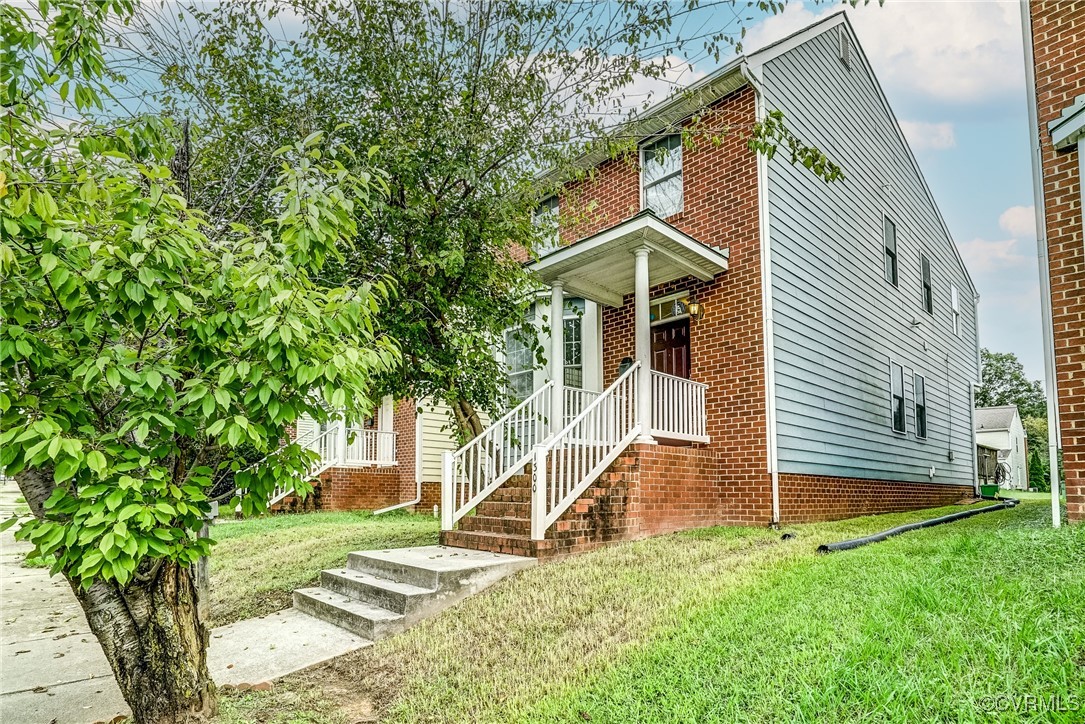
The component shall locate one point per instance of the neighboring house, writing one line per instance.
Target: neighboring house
(1057, 32)
(1000, 428)
(755, 346)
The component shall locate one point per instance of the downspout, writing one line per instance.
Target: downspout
(417, 468)
(972, 396)
(752, 77)
(1044, 264)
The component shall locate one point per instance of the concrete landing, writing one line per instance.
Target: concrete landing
(52, 668)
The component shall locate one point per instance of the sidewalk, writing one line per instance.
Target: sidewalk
(53, 670)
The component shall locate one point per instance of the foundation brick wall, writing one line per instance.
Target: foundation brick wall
(1058, 29)
(810, 498)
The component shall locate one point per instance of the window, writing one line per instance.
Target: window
(574, 344)
(955, 306)
(896, 383)
(518, 358)
(546, 220)
(889, 238)
(920, 406)
(928, 289)
(661, 176)
(673, 306)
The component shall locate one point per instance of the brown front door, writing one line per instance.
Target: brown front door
(670, 348)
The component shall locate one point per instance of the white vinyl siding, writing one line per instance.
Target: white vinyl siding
(835, 320)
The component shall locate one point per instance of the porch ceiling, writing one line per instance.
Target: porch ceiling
(601, 267)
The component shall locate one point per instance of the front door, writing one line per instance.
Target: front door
(670, 348)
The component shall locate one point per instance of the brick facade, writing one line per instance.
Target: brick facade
(1058, 30)
(368, 488)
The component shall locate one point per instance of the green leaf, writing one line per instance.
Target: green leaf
(96, 461)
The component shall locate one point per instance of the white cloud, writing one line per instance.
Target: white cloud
(929, 136)
(983, 256)
(944, 51)
(1019, 221)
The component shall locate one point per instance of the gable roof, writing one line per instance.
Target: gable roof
(1069, 127)
(995, 418)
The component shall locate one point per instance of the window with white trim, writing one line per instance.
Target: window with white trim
(928, 287)
(521, 371)
(896, 385)
(574, 343)
(661, 176)
(920, 393)
(889, 244)
(955, 308)
(546, 220)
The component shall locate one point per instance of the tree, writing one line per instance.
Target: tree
(139, 355)
(1037, 472)
(1004, 383)
(468, 102)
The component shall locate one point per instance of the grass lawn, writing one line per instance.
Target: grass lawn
(733, 624)
(257, 563)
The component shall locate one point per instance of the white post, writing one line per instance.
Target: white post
(643, 327)
(557, 354)
(341, 441)
(538, 493)
(448, 488)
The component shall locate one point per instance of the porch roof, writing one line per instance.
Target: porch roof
(600, 267)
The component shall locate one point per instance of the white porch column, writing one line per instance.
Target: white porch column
(643, 327)
(557, 354)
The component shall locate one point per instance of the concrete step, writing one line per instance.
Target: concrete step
(443, 568)
(395, 596)
(364, 619)
(496, 524)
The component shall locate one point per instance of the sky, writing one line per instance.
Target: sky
(953, 71)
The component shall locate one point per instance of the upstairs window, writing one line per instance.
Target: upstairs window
(896, 385)
(661, 176)
(889, 242)
(920, 384)
(928, 288)
(955, 308)
(546, 220)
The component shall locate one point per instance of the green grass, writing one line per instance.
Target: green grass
(733, 624)
(256, 564)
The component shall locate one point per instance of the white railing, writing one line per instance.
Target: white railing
(563, 468)
(478, 468)
(678, 408)
(575, 402)
(326, 444)
(369, 447)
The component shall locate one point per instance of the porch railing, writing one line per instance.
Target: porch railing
(369, 447)
(563, 468)
(478, 468)
(575, 401)
(678, 408)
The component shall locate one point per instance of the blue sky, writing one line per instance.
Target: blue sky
(953, 71)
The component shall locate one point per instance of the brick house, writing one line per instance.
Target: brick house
(1058, 64)
(739, 342)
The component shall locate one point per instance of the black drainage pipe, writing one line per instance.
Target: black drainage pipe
(847, 545)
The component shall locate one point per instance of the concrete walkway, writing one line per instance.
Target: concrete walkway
(53, 670)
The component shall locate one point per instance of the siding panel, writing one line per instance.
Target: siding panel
(836, 322)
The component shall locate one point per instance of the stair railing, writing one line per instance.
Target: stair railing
(563, 467)
(470, 474)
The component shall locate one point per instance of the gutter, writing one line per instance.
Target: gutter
(1045, 267)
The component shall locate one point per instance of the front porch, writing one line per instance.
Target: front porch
(512, 487)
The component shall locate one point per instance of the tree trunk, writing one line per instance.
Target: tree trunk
(468, 422)
(150, 631)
